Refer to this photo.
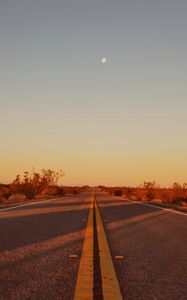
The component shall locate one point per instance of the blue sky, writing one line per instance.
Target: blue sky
(118, 123)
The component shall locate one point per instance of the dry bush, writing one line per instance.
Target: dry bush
(128, 192)
(118, 192)
(36, 183)
(69, 190)
(4, 192)
(150, 191)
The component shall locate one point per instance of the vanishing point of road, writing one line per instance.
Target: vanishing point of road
(92, 246)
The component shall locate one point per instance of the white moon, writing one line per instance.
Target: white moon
(103, 60)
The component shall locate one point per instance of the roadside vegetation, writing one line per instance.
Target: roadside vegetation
(36, 185)
(151, 192)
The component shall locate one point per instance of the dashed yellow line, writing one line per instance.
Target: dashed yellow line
(85, 279)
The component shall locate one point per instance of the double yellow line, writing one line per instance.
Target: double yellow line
(85, 281)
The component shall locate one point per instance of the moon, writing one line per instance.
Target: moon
(103, 60)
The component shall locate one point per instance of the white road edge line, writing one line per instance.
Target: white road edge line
(28, 204)
(159, 207)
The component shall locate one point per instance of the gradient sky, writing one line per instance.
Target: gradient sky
(119, 123)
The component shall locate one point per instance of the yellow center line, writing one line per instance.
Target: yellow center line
(84, 286)
(110, 285)
(85, 279)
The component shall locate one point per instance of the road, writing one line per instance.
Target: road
(35, 244)
(154, 245)
(36, 241)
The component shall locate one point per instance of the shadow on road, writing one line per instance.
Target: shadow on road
(26, 227)
(55, 204)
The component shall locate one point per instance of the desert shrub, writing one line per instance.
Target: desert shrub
(180, 199)
(118, 192)
(150, 190)
(182, 202)
(74, 189)
(1, 198)
(128, 192)
(150, 195)
(29, 193)
(54, 191)
(36, 183)
(4, 191)
(6, 194)
(179, 192)
(61, 191)
(166, 197)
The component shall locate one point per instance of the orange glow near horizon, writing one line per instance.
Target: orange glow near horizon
(101, 171)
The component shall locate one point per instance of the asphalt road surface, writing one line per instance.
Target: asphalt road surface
(35, 244)
(36, 241)
(154, 245)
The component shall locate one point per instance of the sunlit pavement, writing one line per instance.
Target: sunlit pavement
(41, 246)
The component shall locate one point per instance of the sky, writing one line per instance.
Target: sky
(119, 123)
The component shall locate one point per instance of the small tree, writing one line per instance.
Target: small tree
(34, 184)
